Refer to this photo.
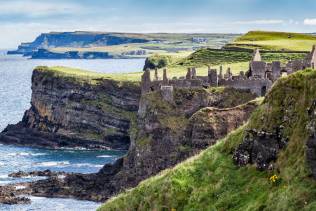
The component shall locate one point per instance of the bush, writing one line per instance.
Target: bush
(157, 61)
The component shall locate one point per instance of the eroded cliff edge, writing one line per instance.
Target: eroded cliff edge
(76, 111)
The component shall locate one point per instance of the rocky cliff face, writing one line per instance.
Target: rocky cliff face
(164, 133)
(69, 113)
(170, 131)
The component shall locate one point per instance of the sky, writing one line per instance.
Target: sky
(23, 20)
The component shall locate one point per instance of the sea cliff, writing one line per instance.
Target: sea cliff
(73, 111)
(103, 113)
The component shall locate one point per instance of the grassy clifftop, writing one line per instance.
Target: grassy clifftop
(88, 76)
(211, 181)
(274, 41)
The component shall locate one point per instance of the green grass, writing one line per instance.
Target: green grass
(178, 45)
(88, 76)
(274, 41)
(210, 180)
(217, 57)
(236, 60)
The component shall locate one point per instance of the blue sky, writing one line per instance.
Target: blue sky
(23, 20)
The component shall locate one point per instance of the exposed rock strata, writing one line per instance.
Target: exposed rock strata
(66, 112)
(210, 124)
(159, 141)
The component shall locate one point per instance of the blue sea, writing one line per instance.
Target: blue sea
(15, 96)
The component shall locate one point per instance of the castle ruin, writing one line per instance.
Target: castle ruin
(258, 79)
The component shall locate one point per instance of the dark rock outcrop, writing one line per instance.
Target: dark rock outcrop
(45, 173)
(46, 54)
(260, 148)
(311, 142)
(66, 112)
(9, 195)
(210, 124)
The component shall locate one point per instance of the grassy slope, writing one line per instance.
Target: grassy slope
(236, 60)
(216, 57)
(210, 180)
(275, 41)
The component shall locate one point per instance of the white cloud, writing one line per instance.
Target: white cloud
(310, 22)
(260, 22)
(37, 8)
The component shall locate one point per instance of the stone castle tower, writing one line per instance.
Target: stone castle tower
(313, 57)
(256, 56)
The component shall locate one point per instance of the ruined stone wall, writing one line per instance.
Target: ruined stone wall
(256, 86)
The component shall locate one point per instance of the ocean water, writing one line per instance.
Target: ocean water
(15, 96)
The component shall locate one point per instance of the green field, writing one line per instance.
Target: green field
(178, 45)
(88, 76)
(211, 181)
(274, 41)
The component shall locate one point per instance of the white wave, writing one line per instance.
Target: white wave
(53, 163)
(4, 176)
(26, 154)
(20, 187)
(2, 164)
(19, 154)
(38, 154)
(86, 165)
(61, 176)
(104, 156)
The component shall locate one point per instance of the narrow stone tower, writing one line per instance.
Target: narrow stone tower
(256, 56)
(313, 57)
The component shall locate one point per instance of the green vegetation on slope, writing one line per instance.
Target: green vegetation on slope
(210, 180)
(236, 60)
(216, 57)
(274, 41)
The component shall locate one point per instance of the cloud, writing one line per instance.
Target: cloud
(33, 8)
(310, 22)
(260, 22)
